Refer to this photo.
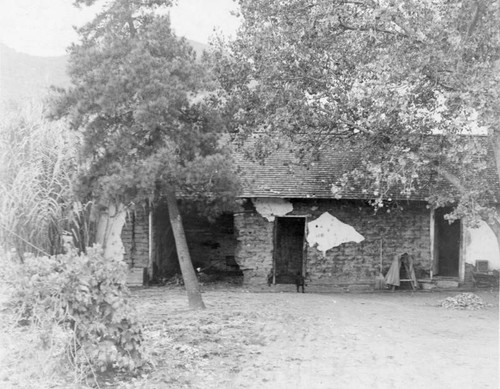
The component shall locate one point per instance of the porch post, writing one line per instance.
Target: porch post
(461, 255)
(432, 232)
(275, 234)
(150, 241)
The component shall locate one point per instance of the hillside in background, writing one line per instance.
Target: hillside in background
(25, 77)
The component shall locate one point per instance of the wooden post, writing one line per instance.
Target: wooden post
(304, 249)
(462, 252)
(275, 234)
(150, 241)
(432, 233)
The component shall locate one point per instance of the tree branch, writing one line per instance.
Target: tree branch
(410, 34)
(356, 127)
(473, 23)
(428, 74)
(350, 28)
(451, 178)
(133, 30)
(495, 145)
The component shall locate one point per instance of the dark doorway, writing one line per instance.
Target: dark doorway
(288, 248)
(447, 243)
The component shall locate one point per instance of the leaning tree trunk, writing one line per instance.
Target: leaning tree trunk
(187, 270)
(494, 224)
(110, 222)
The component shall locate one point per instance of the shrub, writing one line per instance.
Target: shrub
(85, 295)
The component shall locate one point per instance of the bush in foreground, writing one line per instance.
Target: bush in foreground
(85, 297)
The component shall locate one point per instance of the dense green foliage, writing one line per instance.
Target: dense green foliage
(86, 297)
(137, 100)
(384, 77)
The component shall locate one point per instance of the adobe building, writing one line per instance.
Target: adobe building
(291, 222)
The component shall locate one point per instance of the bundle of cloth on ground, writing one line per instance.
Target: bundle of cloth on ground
(393, 275)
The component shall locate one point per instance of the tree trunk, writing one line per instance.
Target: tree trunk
(110, 223)
(187, 270)
(492, 221)
(495, 143)
(494, 224)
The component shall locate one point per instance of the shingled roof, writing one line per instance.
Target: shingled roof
(282, 175)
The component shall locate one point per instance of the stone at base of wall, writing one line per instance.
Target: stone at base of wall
(311, 288)
(427, 285)
(135, 276)
(447, 284)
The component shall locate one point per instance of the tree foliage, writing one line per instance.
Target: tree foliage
(136, 100)
(405, 82)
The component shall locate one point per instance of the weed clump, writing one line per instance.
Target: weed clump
(78, 304)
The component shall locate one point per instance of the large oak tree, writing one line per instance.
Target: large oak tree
(407, 82)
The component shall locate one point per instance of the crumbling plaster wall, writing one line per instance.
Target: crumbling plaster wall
(270, 207)
(406, 230)
(327, 232)
(481, 244)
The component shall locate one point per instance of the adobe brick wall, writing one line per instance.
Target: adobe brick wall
(209, 248)
(135, 238)
(254, 249)
(404, 229)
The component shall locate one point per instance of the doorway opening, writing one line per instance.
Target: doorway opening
(447, 245)
(289, 249)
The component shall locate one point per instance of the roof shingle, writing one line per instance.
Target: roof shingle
(282, 175)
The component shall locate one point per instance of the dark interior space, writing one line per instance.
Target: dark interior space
(165, 261)
(288, 248)
(211, 246)
(447, 242)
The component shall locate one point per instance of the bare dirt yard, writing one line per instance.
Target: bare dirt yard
(287, 340)
(290, 340)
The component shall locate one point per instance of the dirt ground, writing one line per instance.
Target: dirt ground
(289, 340)
(250, 340)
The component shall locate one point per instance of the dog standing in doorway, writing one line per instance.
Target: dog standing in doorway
(300, 282)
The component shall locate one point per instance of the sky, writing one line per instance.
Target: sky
(44, 27)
